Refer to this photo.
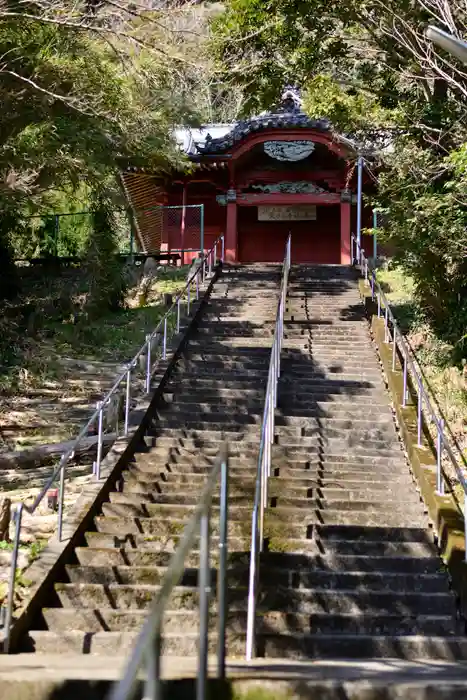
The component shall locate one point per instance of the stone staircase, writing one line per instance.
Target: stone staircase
(217, 393)
(350, 568)
(347, 535)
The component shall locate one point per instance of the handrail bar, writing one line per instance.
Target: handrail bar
(161, 332)
(148, 645)
(410, 364)
(263, 469)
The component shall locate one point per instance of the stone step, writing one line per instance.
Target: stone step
(154, 479)
(249, 428)
(241, 507)
(288, 564)
(278, 546)
(287, 413)
(186, 488)
(283, 418)
(307, 372)
(197, 446)
(144, 542)
(304, 601)
(323, 466)
(172, 492)
(299, 362)
(252, 379)
(164, 527)
(194, 438)
(420, 647)
(287, 396)
(293, 580)
(181, 622)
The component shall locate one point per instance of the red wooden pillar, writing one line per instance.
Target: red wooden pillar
(182, 226)
(231, 236)
(345, 233)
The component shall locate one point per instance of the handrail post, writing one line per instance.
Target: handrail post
(379, 304)
(100, 421)
(222, 571)
(188, 299)
(394, 340)
(404, 397)
(419, 412)
(197, 285)
(178, 315)
(61, 499)
(153, 685)
(204, 597)
(148, 364)
(164, 342)
(127, 399)
(439, 457)
(17, 517)
(222, 248)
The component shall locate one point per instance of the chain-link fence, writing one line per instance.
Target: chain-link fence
(152, 230)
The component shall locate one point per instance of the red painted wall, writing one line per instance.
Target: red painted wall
(312, 241)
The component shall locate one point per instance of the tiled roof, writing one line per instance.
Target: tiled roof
(213, 139)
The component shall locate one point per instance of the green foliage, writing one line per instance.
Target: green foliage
(106, 280)
(349, 111)
(368, 68)
(77, 104)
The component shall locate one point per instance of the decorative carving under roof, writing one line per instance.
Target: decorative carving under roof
(289, 150)
(298, 187)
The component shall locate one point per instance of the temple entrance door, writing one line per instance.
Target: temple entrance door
(316, 242)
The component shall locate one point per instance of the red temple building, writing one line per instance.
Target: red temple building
(257, 180)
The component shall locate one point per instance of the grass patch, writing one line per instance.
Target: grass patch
(446, 380)
(58, 361)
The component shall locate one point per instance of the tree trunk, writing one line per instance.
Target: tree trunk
(5, 515)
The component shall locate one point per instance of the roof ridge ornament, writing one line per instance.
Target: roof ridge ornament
(290, 100)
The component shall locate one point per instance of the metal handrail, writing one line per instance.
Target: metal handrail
(148, 647)
(264, 458)
(159, 337)
(394, 335)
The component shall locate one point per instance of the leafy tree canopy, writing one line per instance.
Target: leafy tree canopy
(369, 68)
